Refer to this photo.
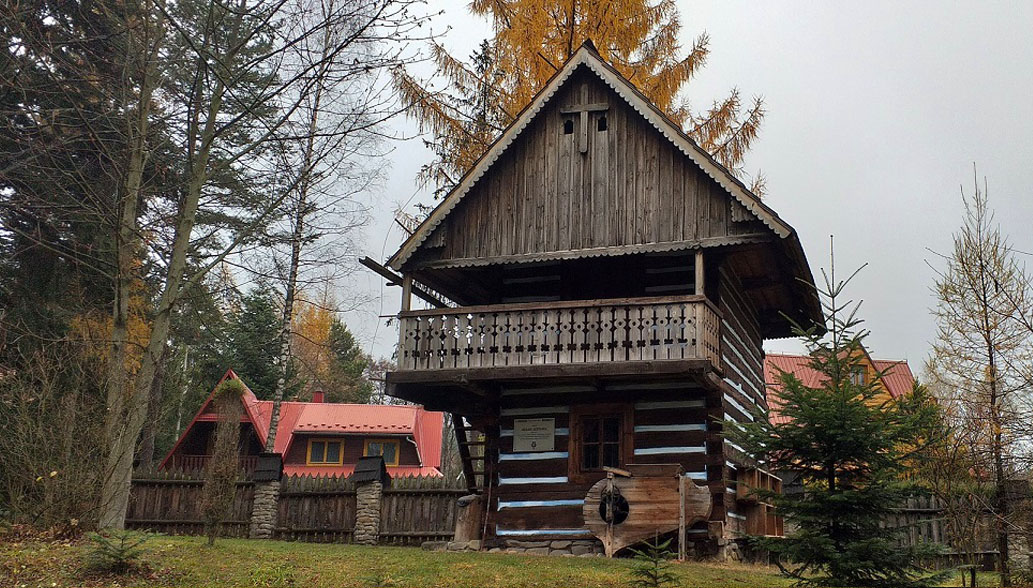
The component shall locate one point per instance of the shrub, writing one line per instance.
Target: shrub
(653, 567)
(115, 552)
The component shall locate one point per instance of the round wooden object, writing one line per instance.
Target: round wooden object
(653, 509)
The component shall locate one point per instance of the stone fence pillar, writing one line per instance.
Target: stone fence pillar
(367, 512)
(267, 475)
(263, 510)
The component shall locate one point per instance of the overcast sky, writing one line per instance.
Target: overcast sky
(876, 114)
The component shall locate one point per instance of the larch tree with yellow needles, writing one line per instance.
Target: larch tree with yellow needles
(982, 352)
(532, 39)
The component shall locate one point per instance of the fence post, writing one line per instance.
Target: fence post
(263, 510)
(367, 512)
(370, 476)
(267, 476)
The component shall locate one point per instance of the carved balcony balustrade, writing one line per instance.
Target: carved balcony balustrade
(567, 332)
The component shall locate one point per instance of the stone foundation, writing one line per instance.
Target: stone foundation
(569, 548)
(367, 513)
(263, 510)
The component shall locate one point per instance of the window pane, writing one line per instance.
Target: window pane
(333, 452)
(373, 448)
(389, 453)
(612, 455)
(590, 457)
(590, 430)
(318, 452)
(611, 429)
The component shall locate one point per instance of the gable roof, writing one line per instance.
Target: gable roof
(587, 57)
(336, 418)
(897, 378)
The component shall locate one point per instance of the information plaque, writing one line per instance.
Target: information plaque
(534, 435)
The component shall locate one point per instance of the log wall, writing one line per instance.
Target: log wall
(541, 494)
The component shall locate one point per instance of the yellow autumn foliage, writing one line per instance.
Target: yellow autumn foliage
(94, 330)
(532, 39)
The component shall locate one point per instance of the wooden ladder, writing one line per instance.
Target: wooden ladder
(474, 476)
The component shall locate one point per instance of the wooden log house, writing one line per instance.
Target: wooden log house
(602, 288)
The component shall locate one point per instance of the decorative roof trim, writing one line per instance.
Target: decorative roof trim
(615, 250)
(586, 55)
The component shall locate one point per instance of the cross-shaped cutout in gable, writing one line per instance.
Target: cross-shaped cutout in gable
(582, 110)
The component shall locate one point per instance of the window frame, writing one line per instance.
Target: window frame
(396, 442)
(326, 440)
(859, 376)
(575, 449)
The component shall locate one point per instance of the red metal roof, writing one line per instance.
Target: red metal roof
(423, 426)
(347, 469)
(897, 379)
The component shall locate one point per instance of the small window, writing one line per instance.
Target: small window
(600, 442)
(602, 123)
(386, 448)
(858, 376)
(568, 127)
(325, 452)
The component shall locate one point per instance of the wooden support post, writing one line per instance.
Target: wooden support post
(608, 541)
(406, 292)
(682, 552)
(700, 274)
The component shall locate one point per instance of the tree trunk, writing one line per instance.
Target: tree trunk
(115, 492)
(120, 441)
(145, 454)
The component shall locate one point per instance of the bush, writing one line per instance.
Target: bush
(652, 569)
(115, 552)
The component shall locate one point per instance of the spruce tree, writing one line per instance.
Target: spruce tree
(850, 445)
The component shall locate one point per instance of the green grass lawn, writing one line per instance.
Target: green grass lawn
(186, 561)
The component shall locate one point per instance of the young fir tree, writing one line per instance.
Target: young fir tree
(850, 445)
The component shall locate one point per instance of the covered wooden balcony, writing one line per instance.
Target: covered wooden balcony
(576, 338)
(198, 463)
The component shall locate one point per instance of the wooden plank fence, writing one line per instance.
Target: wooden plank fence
(413, 510)
(963, 531)
(171, 503)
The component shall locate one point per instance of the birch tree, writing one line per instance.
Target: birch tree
(240, 90)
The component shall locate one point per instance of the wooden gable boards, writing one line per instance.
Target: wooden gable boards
(584, 113)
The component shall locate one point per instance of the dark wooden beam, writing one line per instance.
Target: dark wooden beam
(397, 280)
(611, 370)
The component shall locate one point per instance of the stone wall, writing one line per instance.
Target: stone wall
(569, 548)
(264, 510)
(367, 512)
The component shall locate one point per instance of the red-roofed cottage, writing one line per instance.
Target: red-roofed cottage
(321, 439)
(896, 378)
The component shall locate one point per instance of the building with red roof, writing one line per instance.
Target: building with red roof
(319, 438)
(894, 376)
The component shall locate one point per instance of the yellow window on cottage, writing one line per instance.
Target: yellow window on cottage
(325, 452)
(386, 448)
